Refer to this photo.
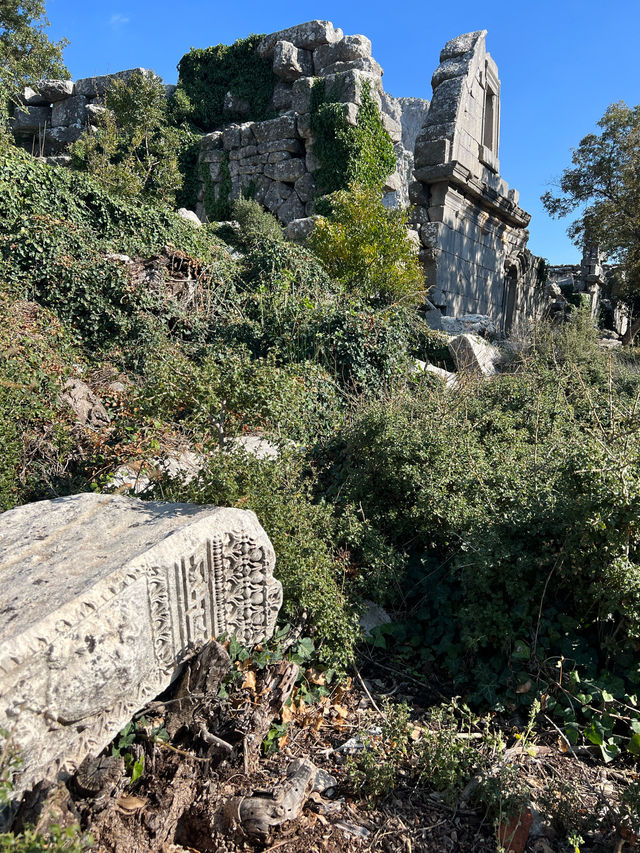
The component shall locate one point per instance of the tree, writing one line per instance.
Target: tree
(604, 184)
(26, 53)
(134, 151)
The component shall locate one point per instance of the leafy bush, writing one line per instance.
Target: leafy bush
(365, 247)
(256, 223)
(206, 75)
(134, 151)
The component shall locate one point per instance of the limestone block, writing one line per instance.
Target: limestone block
(291, 145)
(94, 111)
(72, 112)
(311, 162)
(31, 98)
(455, 67)
(301, 94)
(350, 48)
(212, 141)
(447, 96)
(299, 229)
(474, 355)
(418, 194)
(170, 90)
(275, 195)
(305, 187)
(95, 87)
(413, 116)
(461, 44)
(287, 171)
(58, 139)
(55, 90)
(431, 153)
(308, 36)
(303, 125)
(88, 408)
(365, 63)
(283, 127)
(346, 87)
(282, 96)
(231, 137)
(189, 216)
(430, 234)
(478, 324)
(246, 133)
(291, 209)
(291, 62)
(103, 598)
(30, 119)
(393, 128)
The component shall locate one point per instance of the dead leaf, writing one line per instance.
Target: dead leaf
(524, 688)
(288, 714)
(315, 676)
(341, 711)
(249, 680)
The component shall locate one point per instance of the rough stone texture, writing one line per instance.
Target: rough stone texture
(308, 36)
(474, 355)
(30, 119)
(450, 379)
(290, 62)
(55, 90)
(31, 98)
(71, 112)
(102, 599)
(477, 324)
(95, 87)
(476, 262)
(190, 216)
(88, 408)
(299, 229)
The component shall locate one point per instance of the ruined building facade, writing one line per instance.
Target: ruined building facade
(471, 231)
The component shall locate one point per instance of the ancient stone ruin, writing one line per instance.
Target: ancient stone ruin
(471, 231)
(103, 599)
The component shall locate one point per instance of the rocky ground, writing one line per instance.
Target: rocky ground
(220, 764)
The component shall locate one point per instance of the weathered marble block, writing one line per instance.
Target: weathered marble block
(102, 598)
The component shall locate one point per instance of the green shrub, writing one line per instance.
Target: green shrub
(206, 75)
(256, 223)
(365, 247)
(134, 152)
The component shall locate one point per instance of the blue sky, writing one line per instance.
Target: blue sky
(561, 62)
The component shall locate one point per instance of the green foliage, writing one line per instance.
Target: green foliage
(68, 839)
(206, 75)
(26, 53)
(92, 293)
(256, 223)
(365, 247)
(216, 196)
(134, 151)
(604, 185)
(348, 155)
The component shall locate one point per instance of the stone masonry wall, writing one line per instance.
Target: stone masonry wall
(274, 159)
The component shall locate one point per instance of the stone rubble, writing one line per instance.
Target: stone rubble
(103, 598)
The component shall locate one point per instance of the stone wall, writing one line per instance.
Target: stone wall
(274, 160)
(473, 234)
(471, 228)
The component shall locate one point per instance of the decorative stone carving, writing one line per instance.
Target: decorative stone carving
(102, 599)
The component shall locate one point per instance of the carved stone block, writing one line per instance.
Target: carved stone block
(102, 599)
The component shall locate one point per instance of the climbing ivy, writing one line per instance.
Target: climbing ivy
(348, 155)
(207, 74)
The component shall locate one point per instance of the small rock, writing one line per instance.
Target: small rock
(88, 408)
(190, 216)
(373, 617)
(324, 781)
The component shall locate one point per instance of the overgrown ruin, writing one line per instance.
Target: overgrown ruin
(471, 231)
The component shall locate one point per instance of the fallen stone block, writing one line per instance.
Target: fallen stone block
(102, 599)
(474, 355)
(477, 324)
(189, 216)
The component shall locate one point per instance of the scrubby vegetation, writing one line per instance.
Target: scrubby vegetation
(498, 524)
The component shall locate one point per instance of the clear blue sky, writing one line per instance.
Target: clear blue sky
(561, 62)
